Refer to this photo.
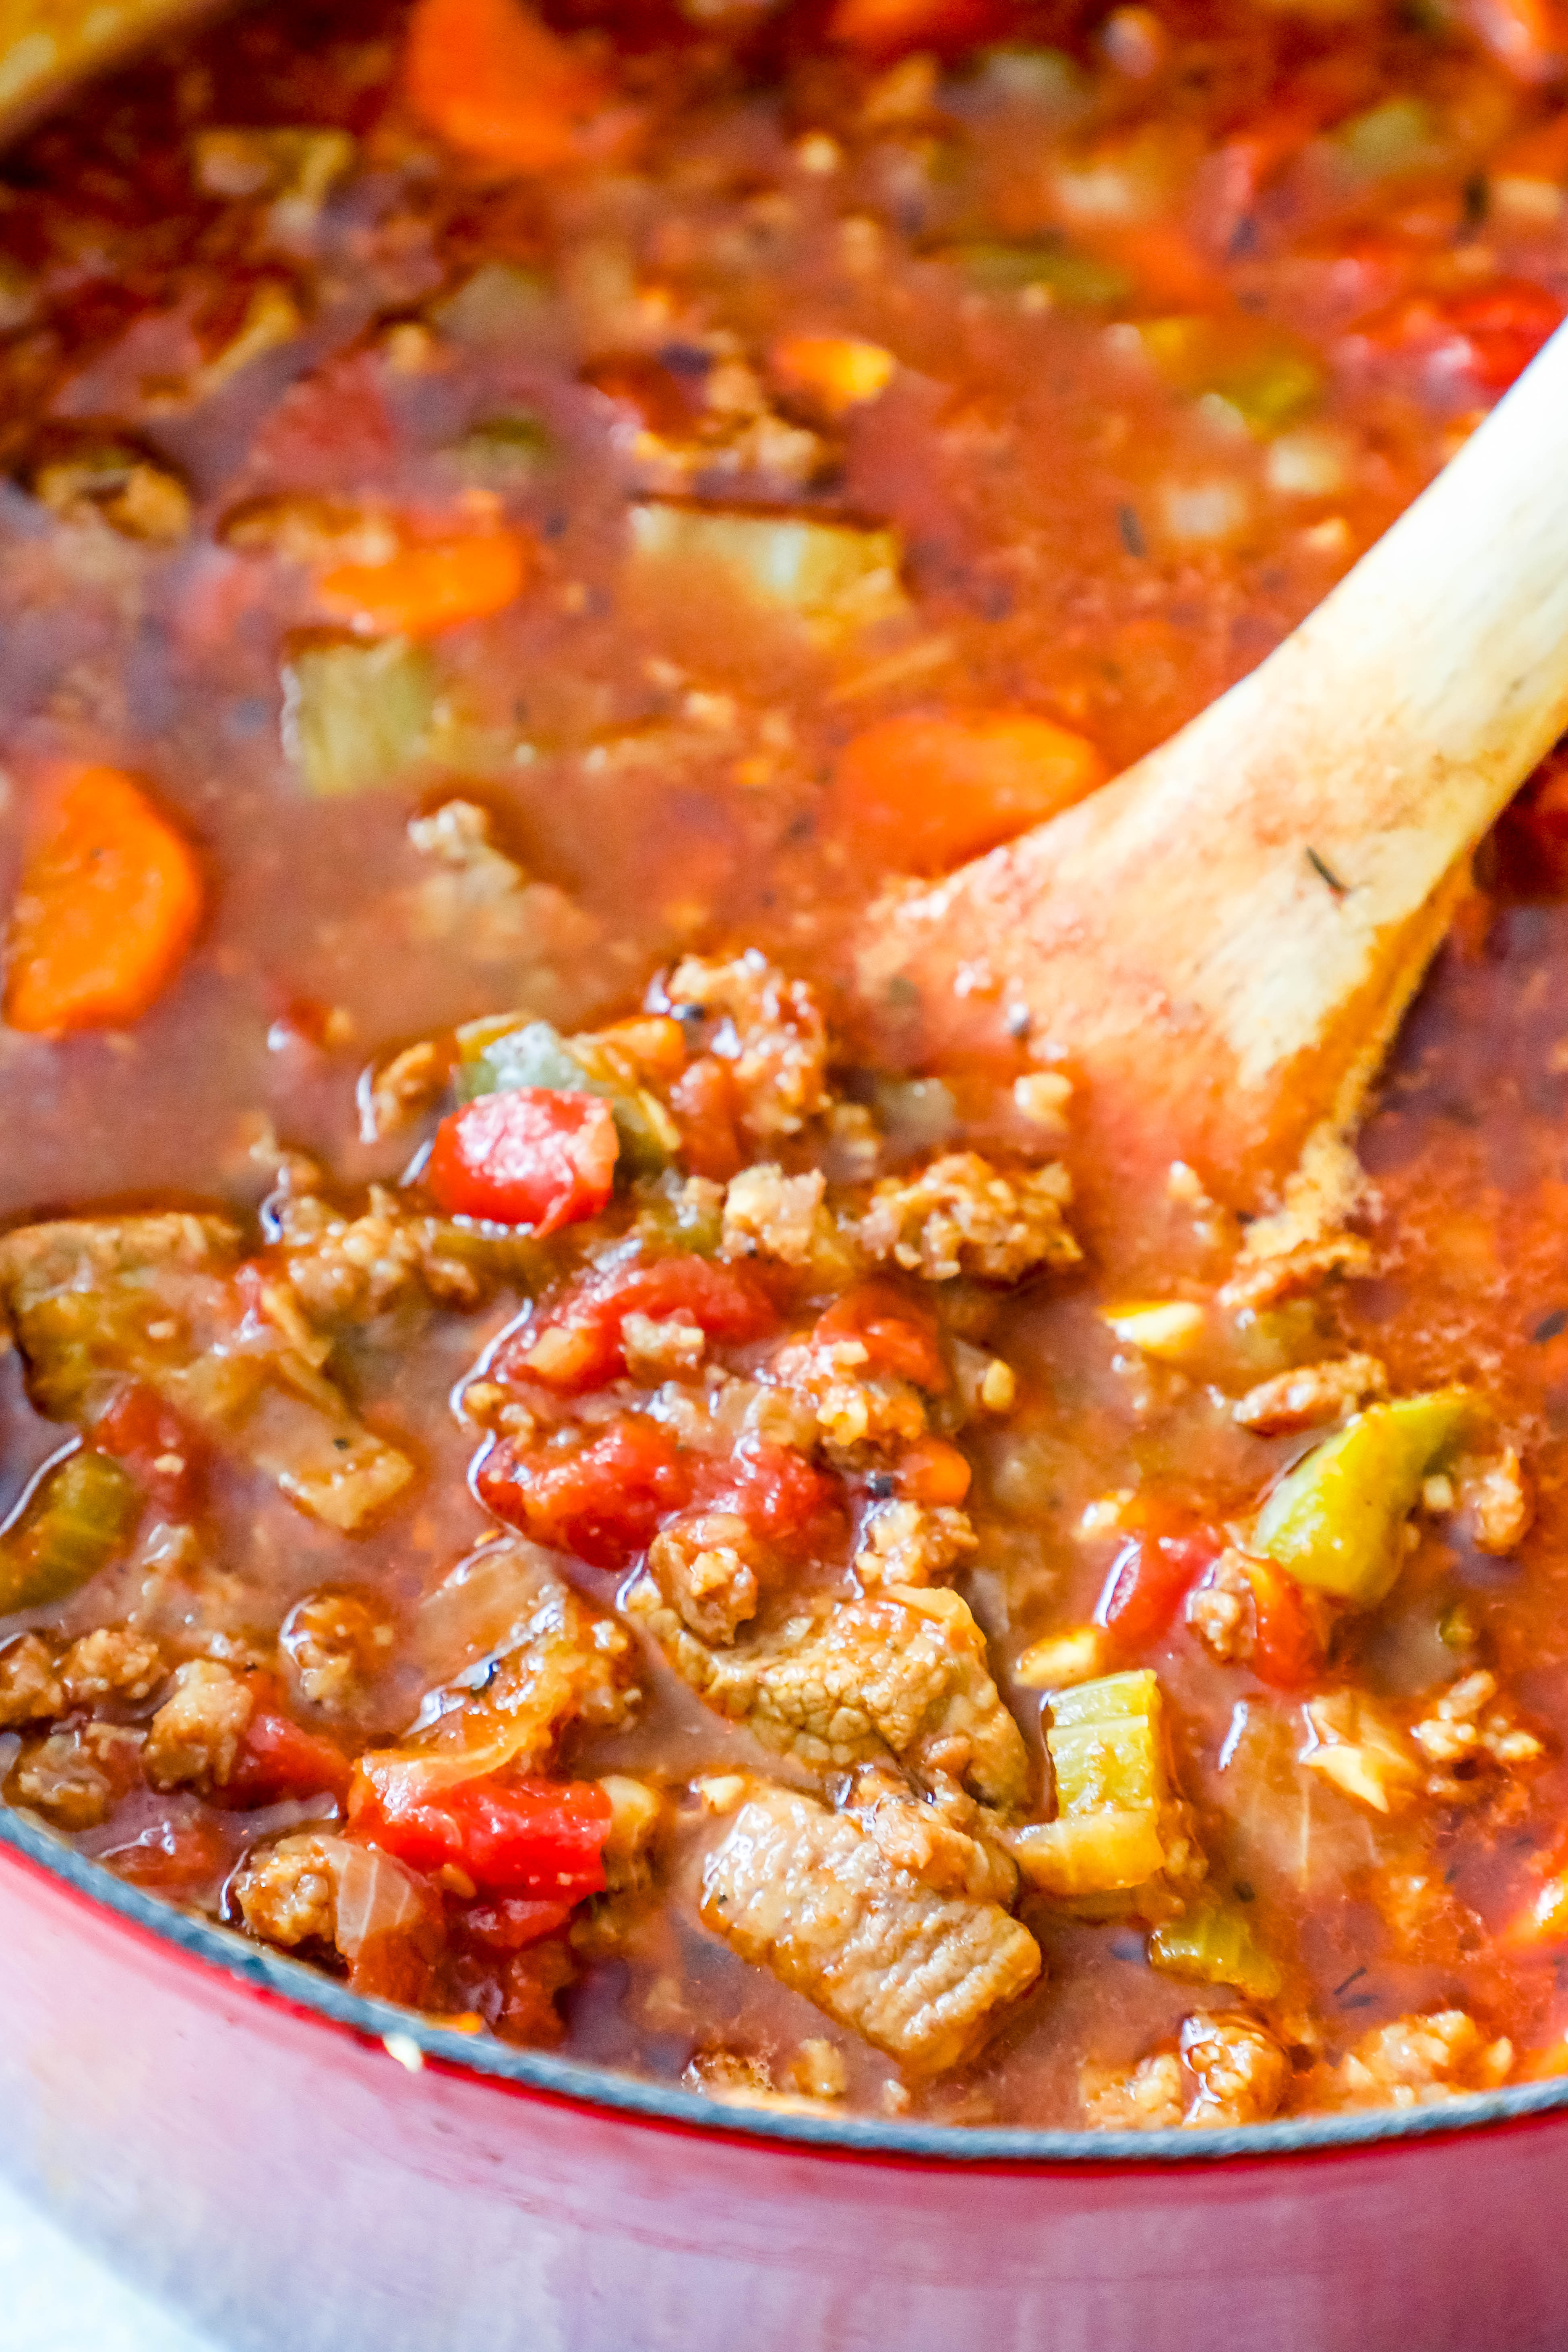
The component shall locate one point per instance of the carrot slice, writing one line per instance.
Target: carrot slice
(422, 589)
(919, 794)
(498, 85)
(837, 372)
(110, 900)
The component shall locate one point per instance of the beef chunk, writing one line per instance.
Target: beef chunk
(812, 1896)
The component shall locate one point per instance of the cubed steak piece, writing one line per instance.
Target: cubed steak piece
(811, 1895)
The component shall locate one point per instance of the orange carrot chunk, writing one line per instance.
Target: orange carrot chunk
(421, 591)
(917, 795)
(838, 373)
(496, 83)
(109, 903)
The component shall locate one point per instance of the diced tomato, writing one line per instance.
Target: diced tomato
(705, 1101)
(581, 1333)
(533, 1156)
(1482, 339)
(603, 1502)
(277, 1758)
(933, 1471)
(138, 1428)
(897, 1335)
(887, 29)
(779, 1493)
(539, 1839)
(513, 1923)
(1152, 1573)
(1287, 1651)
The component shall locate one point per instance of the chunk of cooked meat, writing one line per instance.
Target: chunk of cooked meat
(1470, 1724)
(95, 1302)
(286, 1893)
(900, 1674)
(112, 1662)
(348, 1269)
(335, 1643)
(812, 1896)
(1222, 1609)
(1240, 2071)
(405, 1088)
(913, 1543)
(1421, 2060)
(76, 1775)
(1310, 1395)
(1494, 1497)
(767, 1028)
(856, 1414)
(770, 1214)
(962, 1215)
(1148, 2096)
(1231, 2070)
(709, 1564)
(30, 1689)
(315, 1888)
(192, 1740)
(1269, 1280)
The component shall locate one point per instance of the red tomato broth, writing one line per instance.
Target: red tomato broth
(1101, 526)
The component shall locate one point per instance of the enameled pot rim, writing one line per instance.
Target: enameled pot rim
(543, 2073)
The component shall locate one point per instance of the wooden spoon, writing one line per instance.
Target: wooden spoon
(45, 45)
(1220, 944)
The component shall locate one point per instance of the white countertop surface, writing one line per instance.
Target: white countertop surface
(58, 2299)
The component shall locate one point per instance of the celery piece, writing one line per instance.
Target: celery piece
(1216, 1944)
(532, 1056)
(1261, 373)
(1048, 80)
(500, 304)
(74, 1524)
(1388, 141)
(673, 1216)
(503, 452)
(1335, 1522)
(356, 717)
(1074, 279)
(829, 574)
(1106, 1852)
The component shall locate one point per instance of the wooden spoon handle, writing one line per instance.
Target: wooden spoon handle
(1224, 940)
(45, 45)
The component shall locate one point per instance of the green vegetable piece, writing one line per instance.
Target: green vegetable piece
(1261, 373)
(1076, 280)
(532, 1056)
(1104, 1743)
(1387, 142)
(503, 452)
(671, 1218)
(75, 1524)
(355, 717)
(1336, 1521)
(500, 304)
(830, 573)
(1048, 80)
(1216, 1944)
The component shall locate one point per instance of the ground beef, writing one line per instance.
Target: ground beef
(962, 1215)
(192, 1740)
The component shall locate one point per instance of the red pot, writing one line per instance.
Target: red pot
(229, 2127)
